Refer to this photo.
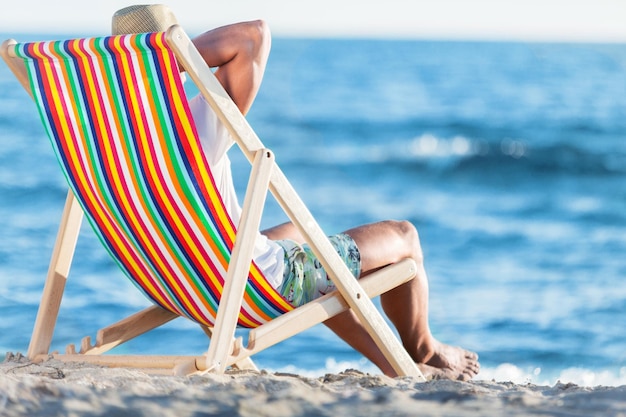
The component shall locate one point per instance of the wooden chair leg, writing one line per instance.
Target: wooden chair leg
(221, 344)
(126, 329)
(57, 276)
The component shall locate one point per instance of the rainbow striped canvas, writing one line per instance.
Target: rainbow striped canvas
(117, 116)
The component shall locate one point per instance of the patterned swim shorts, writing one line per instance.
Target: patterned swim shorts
(304, 278)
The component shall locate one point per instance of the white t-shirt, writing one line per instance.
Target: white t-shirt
(216, 141)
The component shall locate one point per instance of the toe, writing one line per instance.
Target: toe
(471, 355)
(464, 377)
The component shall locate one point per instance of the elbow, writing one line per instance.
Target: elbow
(260, 38)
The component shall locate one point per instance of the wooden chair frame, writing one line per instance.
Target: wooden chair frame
(224, 350)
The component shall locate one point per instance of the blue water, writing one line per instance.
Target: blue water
(510, 158)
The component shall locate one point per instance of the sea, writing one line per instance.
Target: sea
(508, 157)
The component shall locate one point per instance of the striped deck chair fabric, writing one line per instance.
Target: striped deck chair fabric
(117, 116)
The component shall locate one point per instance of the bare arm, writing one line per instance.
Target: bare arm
(240, 52)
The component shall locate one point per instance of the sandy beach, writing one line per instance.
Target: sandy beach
(58, 389)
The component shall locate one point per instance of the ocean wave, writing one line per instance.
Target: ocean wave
(535, 375)
(459, 155)
(505, 372)
(31, 193)
(518, 158)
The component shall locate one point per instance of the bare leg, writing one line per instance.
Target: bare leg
(406, 306)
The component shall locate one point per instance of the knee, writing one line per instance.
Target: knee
(410, 236)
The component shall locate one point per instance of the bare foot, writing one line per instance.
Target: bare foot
(431, 373)
(451, 362)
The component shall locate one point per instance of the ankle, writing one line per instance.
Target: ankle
(424, 350)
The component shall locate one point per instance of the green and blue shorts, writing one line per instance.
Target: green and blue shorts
(304, 278)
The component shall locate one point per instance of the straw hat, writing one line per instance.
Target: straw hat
(142, 18)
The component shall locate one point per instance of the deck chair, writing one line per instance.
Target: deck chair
(117, 116)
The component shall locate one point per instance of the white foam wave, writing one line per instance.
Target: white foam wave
(430, 146)
(502, 373)
(331, 366)
(579, 376)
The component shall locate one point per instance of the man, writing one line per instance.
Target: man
(240, 52)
